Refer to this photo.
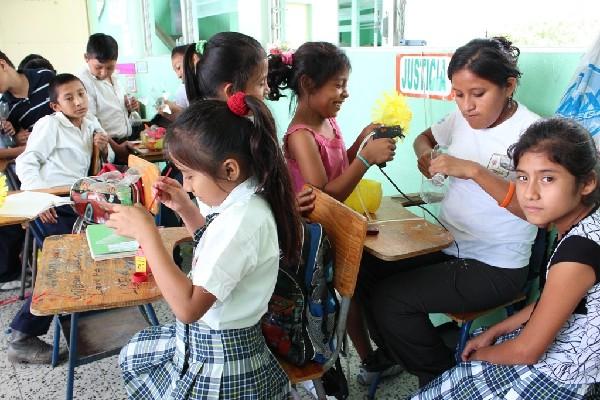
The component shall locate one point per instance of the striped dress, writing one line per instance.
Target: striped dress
(571, 364)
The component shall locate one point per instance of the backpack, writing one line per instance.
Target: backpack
(302, 313)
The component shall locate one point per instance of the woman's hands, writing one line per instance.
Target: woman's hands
(485, 339)
(449, 166)
(131, 221)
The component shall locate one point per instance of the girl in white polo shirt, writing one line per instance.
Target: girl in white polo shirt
(215, 350)
(488, 266)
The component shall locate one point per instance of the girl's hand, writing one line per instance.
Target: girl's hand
(378, 151)
(7, 128)
(21, 137)
(452, 166)
(101, 141)
(306, 201)
(49, 216)
(175, 110)
(131, 221)
(171, 194)
(368, 129)
(485, 339)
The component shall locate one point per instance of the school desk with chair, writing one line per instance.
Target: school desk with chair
(70, 281)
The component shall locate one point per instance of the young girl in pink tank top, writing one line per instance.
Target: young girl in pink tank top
(317, 73)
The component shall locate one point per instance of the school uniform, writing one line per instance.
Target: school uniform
(223, 355)
(57, 154)
(107, 103)
(568, 367)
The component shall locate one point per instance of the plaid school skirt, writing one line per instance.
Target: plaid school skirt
(480, 380)
(180, 361)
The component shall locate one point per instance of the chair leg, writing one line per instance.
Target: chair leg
(151, 314)
(34, 263)
(72, 355)
(462, 341)
(56, 341)
(373, 387)
(24, 259)
(321, 395)
(294, 393)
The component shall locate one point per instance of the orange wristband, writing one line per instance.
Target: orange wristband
(509, 195)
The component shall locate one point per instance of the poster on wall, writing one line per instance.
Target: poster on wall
(423, 75)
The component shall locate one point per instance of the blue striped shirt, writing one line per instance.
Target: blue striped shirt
(24, 112)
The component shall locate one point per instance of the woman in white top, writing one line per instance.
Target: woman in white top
(487, 266)
(216, 350)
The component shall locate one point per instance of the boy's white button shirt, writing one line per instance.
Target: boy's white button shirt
(107, 103)
(237, 259)
(57, 153)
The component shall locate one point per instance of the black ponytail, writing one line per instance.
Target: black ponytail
(318, 61)
(189, 73)
(208, 132)
(274, 179)
(278, 77)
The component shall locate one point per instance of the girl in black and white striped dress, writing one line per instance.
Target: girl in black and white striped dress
(550, 349)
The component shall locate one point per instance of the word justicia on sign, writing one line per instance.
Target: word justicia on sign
(423, 75)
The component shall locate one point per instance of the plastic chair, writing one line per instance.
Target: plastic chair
(346, 230)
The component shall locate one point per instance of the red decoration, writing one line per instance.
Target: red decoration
(237, 104)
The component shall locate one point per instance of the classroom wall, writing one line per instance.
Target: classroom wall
(546, 73)
(37, 26)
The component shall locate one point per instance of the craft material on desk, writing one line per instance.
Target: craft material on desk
(105, 244)
(30, 204)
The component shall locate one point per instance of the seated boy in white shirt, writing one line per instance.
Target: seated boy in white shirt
(58, 152)
(107, 100)
(59, 149)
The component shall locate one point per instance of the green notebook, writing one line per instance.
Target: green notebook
(105, 244)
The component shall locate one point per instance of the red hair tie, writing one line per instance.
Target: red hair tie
(237, 104)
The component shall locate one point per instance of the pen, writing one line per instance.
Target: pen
(156, 195)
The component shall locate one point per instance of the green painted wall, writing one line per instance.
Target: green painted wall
(545, 77)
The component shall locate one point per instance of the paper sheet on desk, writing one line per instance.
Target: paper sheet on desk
(30, 204)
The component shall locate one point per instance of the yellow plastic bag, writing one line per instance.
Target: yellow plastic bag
(366, 195)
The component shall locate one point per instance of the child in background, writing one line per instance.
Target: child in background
(317, 73)
(107, 102)
(58, 152)
(26, 93)
(216, 350)
(551, 348)
(35, 61)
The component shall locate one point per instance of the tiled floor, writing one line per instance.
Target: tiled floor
(102, 379)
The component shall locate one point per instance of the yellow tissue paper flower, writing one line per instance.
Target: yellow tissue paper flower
(391, 109)
(3, 189)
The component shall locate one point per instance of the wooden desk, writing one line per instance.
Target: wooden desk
(402, 234)
(69, 280)
(58, 191)
(147, 154)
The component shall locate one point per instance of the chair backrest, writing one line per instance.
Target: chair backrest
(96, 163)
(346, 230)
(150, 174)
